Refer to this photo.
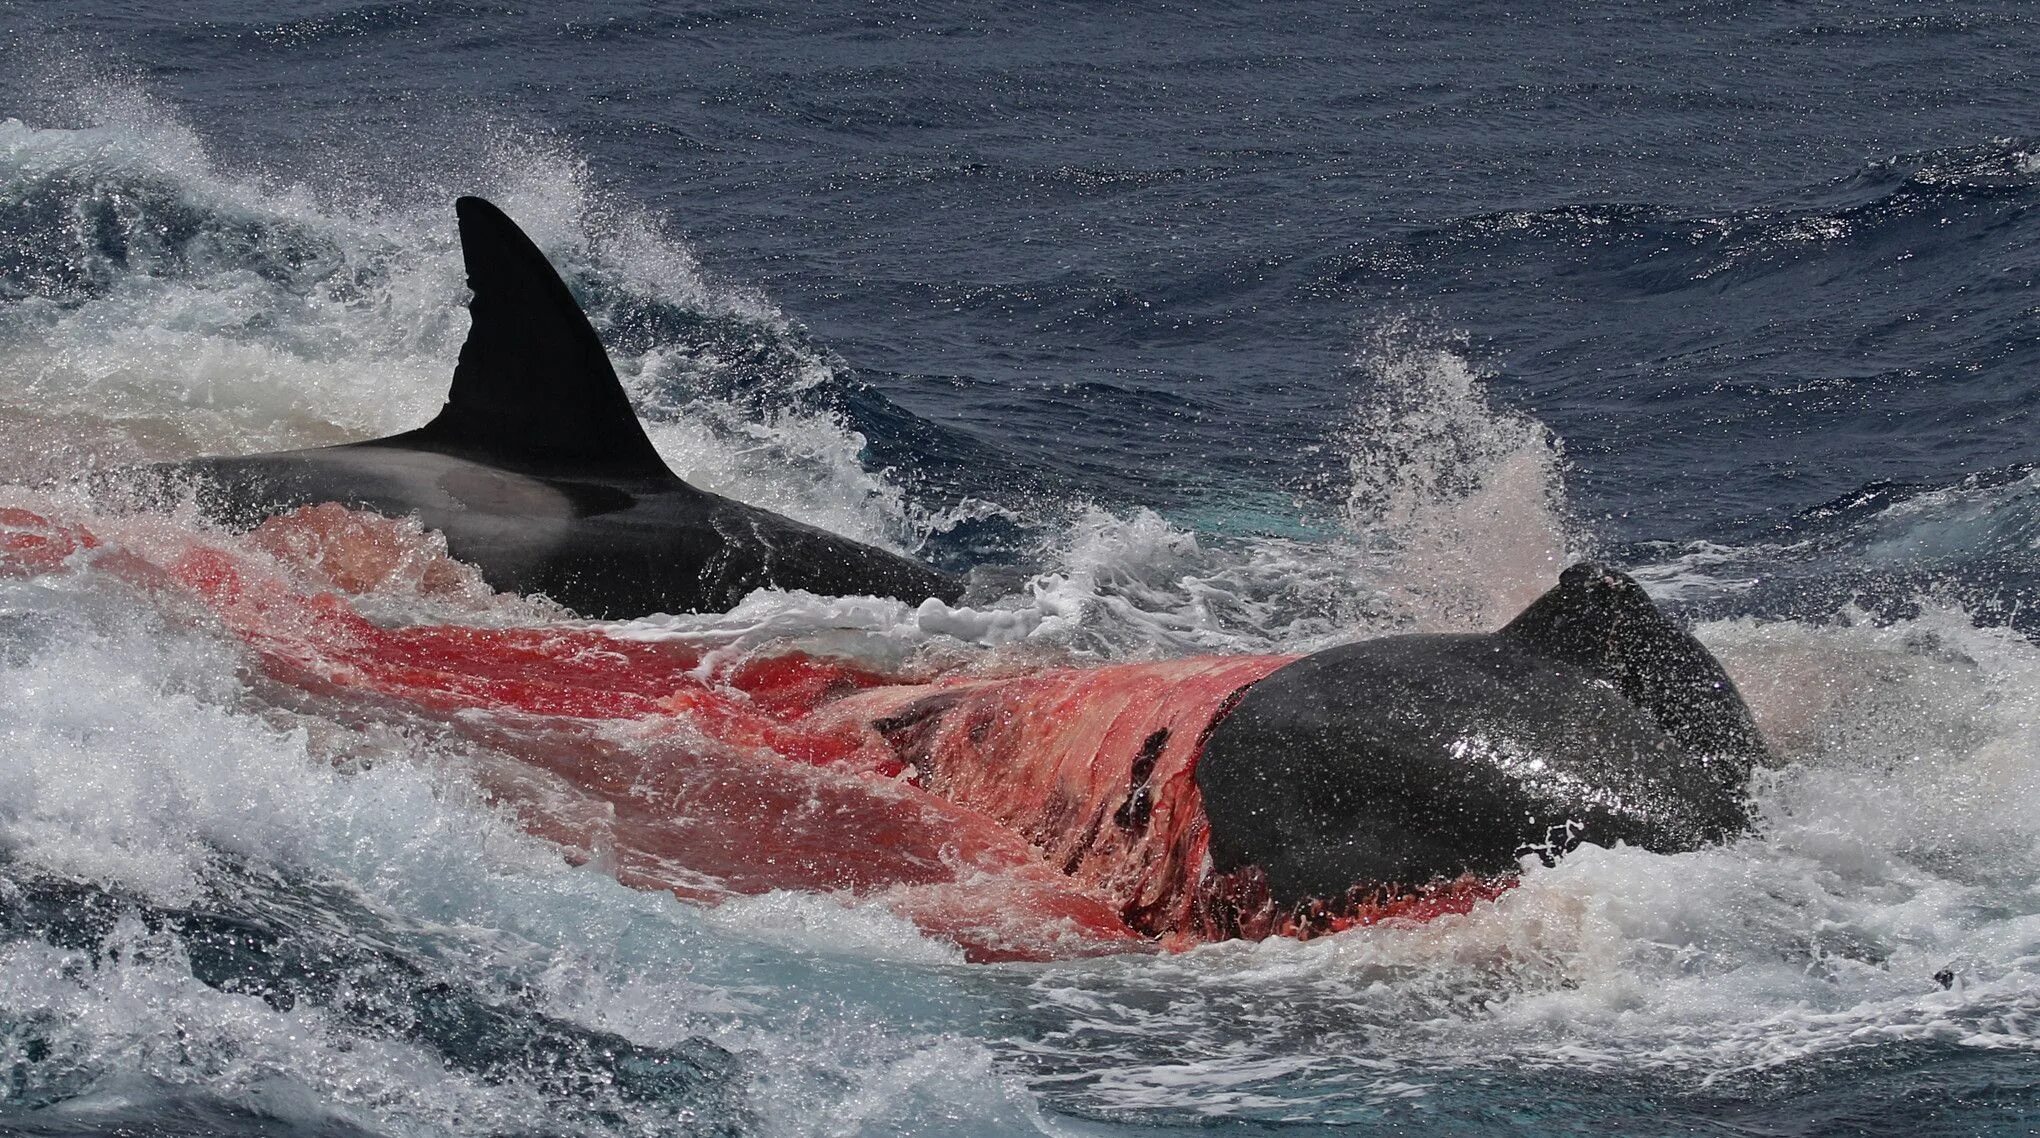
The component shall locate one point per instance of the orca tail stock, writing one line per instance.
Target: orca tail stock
(534, 389)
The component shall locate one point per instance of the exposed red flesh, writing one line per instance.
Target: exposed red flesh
(1023, 817)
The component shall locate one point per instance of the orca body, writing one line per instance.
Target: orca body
(538, 472)
(1400, 762)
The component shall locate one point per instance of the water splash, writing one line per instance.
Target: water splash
(1461, 505)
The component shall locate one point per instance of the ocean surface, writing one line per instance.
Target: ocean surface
(1219, 328)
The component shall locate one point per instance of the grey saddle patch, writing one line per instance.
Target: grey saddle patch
(502, 492)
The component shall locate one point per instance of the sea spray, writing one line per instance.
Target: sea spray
(1460, 505)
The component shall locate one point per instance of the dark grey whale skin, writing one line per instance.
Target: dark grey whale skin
(538, 472)
(1397, 762)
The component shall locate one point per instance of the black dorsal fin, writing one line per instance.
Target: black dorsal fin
(1600, 619)
(533, 389)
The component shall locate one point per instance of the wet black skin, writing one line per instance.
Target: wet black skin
(1396, 762)
(538, 472)
(609, 547)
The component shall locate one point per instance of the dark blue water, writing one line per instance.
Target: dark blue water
(1747, 292)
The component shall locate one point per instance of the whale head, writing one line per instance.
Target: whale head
(1394, 763)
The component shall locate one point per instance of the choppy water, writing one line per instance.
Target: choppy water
(1225, 329)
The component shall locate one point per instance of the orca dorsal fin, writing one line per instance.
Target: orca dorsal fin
(1601, 620)
(534, 388)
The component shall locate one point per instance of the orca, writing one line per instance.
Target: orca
(1401, 762)
(538, 472)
